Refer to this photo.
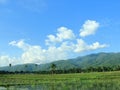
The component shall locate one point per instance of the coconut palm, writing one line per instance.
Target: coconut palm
(10, 65)
(53, 67)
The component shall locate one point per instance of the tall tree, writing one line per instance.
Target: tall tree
(26, 68)
(53, 67)
(10, 65)
(36, 67)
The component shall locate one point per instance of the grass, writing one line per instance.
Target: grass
(85, 81)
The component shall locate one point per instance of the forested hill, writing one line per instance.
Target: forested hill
(94, 60)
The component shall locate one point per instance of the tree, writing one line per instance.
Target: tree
(10, 69)
(10, 65)
(26, 68)
(36, 67)
(53, 67)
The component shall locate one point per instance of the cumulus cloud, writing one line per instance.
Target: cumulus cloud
(30, 52)
(82, 46)
(59, 47)
(20, 44)
(63, 33)
(36, 54)
(89, 28)
(5, 60)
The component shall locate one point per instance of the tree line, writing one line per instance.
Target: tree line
(54, 70)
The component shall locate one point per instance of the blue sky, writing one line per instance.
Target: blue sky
(42, 31)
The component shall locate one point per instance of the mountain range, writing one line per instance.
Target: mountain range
(94, 60)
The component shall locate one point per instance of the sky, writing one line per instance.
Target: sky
(43, 31)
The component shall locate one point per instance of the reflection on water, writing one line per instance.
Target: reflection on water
(38, 87)
(61, 86)
(2, 88)
(25, 87)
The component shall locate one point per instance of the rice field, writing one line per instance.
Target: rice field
(77, 81)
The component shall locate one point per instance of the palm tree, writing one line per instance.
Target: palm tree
(10, 65)
(36, 66)
(26, 66)
(53, 67)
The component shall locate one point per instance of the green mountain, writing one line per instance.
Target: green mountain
(94, 60)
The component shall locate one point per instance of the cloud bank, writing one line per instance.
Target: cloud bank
(59, 46)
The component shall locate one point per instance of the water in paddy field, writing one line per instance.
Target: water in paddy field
(59, 87)
(25, 87)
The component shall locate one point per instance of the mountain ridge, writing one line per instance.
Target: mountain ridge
(94, 60)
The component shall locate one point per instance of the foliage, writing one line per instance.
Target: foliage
(53, 67)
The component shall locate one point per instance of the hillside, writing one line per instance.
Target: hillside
(95, 60)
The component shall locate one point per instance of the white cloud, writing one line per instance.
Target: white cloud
(5, 60)
(59, 47)
(31, 53)
(54, 53)
(35, 54)
(89, 28)
(81, 46)
(63, 33)
(97, 45)
(20, 44)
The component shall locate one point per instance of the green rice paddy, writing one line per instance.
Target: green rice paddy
(77, 81)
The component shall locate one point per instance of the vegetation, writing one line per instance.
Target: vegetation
(82, 81)
(10, 65)
(53, 67)
(92, 72)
